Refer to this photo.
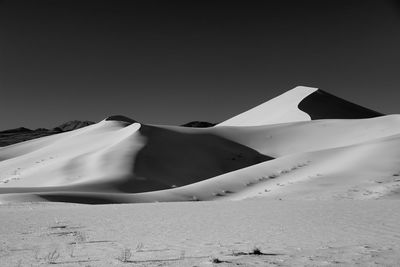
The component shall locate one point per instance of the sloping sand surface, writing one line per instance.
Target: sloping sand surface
(290, 138)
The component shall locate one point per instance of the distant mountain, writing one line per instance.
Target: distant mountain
(17, 135)
(13, 136)
(21, 134)
(72, 125)
(16, 130)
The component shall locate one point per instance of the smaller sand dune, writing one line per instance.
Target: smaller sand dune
(120, 156)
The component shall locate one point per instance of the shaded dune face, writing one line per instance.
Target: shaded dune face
(167, 159)
(79, 199)
(172, 159)
(322, 105)
(120, 118)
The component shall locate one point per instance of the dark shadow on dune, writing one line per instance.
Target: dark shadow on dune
(199, 124)
(120, 118)
(131, 184)
(79, 198)
(322, 105)
(172, 159)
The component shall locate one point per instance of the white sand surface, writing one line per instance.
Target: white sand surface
(290, 233)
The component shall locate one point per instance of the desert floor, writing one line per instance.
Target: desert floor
(287, 232)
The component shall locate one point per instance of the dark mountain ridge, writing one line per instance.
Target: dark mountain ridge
(17, 135)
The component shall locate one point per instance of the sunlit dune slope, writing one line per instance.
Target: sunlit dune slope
(283, 139)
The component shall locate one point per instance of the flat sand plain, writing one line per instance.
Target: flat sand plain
(215, 233)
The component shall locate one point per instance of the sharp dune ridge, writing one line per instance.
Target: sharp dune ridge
(303, 144)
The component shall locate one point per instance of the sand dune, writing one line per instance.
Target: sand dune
(281, 109)
(283, 139)
(113, 156)
(300, 104)
(339, 173)
(276, 150)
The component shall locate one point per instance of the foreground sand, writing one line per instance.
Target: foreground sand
(290, 233)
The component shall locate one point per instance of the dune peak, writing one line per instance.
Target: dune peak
(280, 109)
(120, 118)
(301, 103)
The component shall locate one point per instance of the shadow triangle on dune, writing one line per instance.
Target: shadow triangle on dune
(80, 198)
(172, 159)
(322, 105)
(169, 158)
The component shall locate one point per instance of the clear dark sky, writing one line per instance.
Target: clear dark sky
(170, 63)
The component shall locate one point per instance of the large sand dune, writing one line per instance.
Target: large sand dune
(276, 150)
